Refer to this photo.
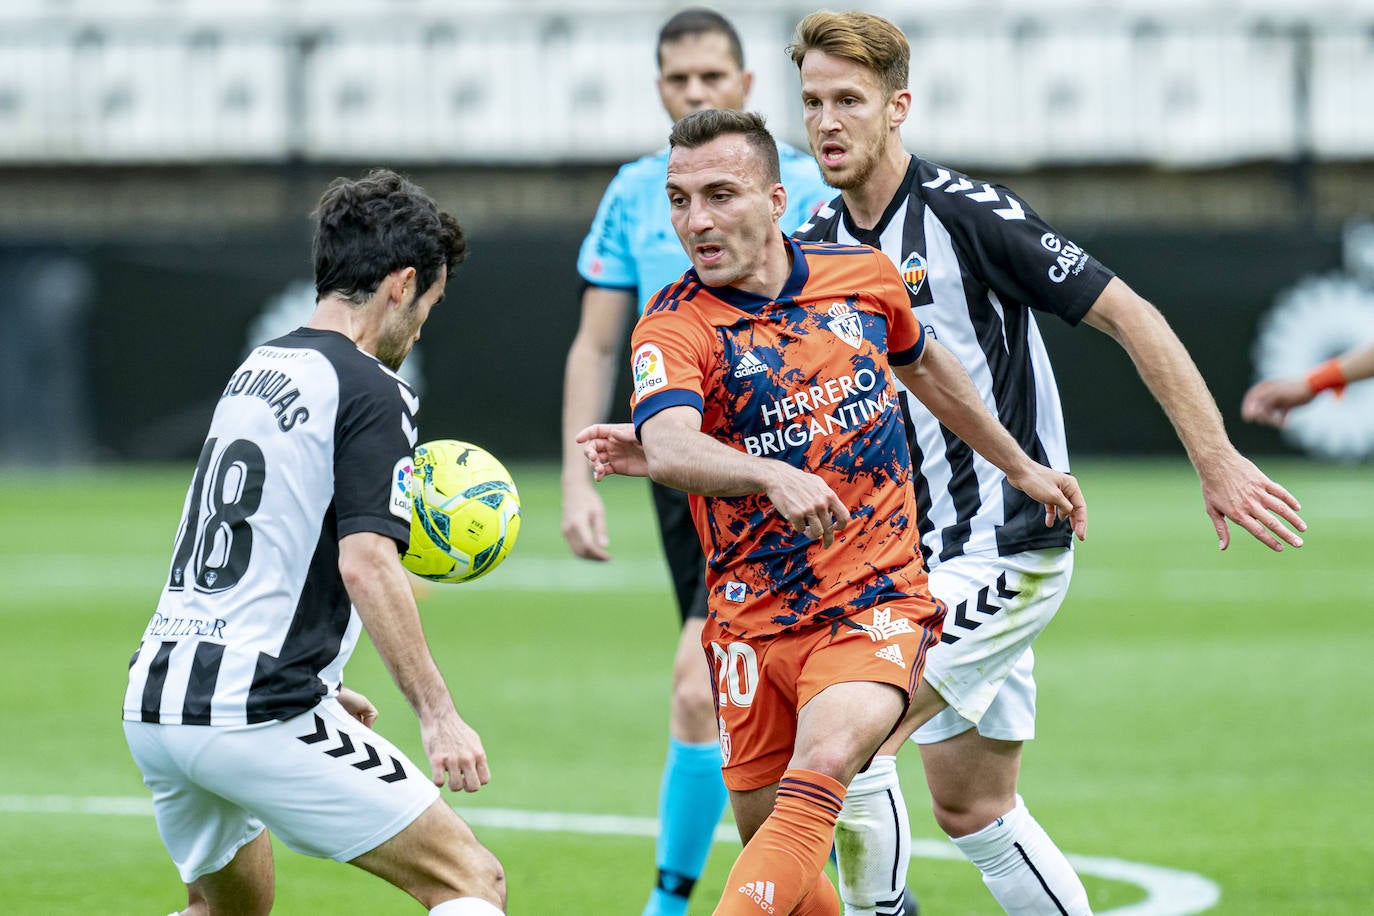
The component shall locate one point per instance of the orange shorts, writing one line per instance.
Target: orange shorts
(761, 684)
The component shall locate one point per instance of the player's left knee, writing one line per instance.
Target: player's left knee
(479, 874)
(489, 877)
(967, 815)
(833, 759)
(692, 688)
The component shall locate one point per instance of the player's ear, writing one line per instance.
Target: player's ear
(748, 82)
(778, 201)
(899, 106)
(403, 286)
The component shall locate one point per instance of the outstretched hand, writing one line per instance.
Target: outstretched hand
(612, 448)
(1060, 494)
(1233, 488)
(1269, 401)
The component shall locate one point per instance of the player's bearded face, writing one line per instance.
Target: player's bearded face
(398, 336)
(724, 210)
(401, 326)
(847, 118)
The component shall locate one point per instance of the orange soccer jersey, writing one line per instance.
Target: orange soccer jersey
(805, 379)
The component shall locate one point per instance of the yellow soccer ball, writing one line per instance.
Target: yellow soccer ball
(465, 512)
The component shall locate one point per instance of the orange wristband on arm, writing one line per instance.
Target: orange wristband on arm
(1327, 376)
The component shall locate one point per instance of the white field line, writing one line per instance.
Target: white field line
(36, 576)
(1168, 891)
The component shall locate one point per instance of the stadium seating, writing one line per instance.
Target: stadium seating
(1342, 92)
(1174, 82)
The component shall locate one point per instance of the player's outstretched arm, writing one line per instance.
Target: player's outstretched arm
(612, 448)
(588, 384)
(1269, 401)
(378, 588)
(942, 384)
(1232, 487)
(680, 455)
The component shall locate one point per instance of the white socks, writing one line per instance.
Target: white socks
(1023, 868)
(466, 906)
(873, 842)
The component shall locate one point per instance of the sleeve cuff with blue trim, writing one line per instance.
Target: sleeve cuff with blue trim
(657, 403)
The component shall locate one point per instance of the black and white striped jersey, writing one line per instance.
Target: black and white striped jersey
(976, 260)
(311, 441)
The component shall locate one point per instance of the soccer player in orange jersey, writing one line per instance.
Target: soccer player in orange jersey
(764, 387)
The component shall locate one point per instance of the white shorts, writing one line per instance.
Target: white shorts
(983, 663)
(324, 783)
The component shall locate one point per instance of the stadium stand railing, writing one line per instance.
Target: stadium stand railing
(1195, 83)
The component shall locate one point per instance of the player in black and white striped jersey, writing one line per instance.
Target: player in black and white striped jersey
(976, 261)
(288, 546)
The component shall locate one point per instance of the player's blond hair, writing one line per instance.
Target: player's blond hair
(862, 38)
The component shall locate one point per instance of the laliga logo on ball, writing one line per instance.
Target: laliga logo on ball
(465, 512)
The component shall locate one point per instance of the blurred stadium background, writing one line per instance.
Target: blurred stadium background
(158, 159)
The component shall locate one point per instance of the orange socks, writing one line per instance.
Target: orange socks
(821, 900)
(782, 867)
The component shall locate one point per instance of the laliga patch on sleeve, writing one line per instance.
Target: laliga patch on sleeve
(401, 477)
(650, 373)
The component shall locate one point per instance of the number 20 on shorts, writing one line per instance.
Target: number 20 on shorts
(737, 672)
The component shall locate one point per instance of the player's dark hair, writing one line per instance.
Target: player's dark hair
(701, 127)
(370, 227)
(861, 38)
(698, 20)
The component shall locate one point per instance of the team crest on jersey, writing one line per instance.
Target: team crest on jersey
(401, 477)
(914, 272)
(846, 323)
(649, 371)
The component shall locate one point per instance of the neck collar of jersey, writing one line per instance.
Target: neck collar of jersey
(753, 302)
(899, 198)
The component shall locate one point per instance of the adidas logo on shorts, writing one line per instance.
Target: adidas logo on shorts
(761, 892)
(892, 654)
(749, 364)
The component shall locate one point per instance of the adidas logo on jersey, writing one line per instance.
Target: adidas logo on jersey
(749, 364)
(892, 654)
(761, 892)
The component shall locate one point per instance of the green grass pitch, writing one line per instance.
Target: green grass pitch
(1200, 711)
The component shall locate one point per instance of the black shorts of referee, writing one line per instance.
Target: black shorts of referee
(682, 548)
